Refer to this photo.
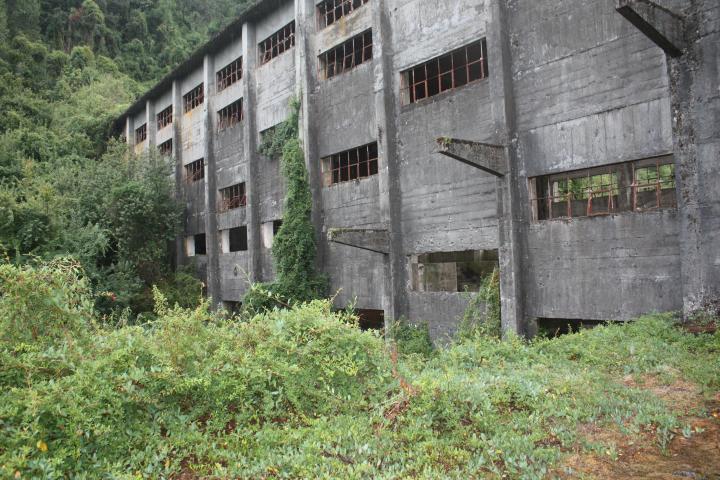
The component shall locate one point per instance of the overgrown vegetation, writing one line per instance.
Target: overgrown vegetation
(302, 393)
(483, 314)
(294, 247)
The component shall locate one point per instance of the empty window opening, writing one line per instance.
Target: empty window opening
(194, 98)
(624, 187)
(230, 115)
(229, 74)
(198, 243)
(141, 134)
(555, 327)
(330, 11)
(238, 239)
(232, 307)
(346, 56)
(195, 171)
(233, 197)
(371, 319)
(276, 224)
(166, 148)
(165, 118)
(277, 43)
(453, 271)
(351, 164)
(452, 70)
(268, 232)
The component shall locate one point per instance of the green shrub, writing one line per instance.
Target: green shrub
(483, 313)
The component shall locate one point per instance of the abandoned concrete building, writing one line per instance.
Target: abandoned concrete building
(576, 143)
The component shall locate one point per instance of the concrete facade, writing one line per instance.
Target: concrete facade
(570, 85)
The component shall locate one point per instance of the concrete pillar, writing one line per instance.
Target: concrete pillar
(211, 232)
(130, 131)
(178, 159)
(386, 101)
(250, 148)
(151, 125)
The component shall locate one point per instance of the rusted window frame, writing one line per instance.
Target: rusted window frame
(353, 164)
(330, 11)
(166, 148)
(622, 195)
(195, 171)
(277, 43)
(234, 196)
(346, 56)
(165, 118)
(230, 115)
(440, 74)
(141, 134)
(229, 74)
(194, 98)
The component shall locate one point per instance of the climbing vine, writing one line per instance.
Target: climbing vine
(483, 314)
(294, 247)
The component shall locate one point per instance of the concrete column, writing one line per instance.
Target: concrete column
(250, 147)
(513, 206)
(178, 159)
(130, 131)
(211, 232)
(151, 125)
(386, 101)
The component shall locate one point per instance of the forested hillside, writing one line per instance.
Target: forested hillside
(67, 69)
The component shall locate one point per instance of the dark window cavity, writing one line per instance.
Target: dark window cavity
(370, 319)
(194, 98)
(141, 134)
(233, 197)
(200, 247)
(229, 74)
(351, 164)
(637, 186)
(238, 239)
(166, 148)
(330, 11)
(453, 271)
(346, 56)
(276, 226)
(230, 115)
(277, 43)
(165, 118)
(195, 171)
(446, 72)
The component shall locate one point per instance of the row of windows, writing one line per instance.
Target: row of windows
(231, 240)
(347, 55)
(330, 11)
(141, 133)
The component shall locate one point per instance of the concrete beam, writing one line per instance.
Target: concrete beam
(661, 25)
(377, 241)
(486, 157)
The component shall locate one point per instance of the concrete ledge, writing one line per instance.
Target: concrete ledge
(377, 241)
(664, 27)
(484, 156)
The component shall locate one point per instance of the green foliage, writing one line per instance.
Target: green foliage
(412, 339)
(303, 393)
(483, 314)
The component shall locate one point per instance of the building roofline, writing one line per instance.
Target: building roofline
(255, 9)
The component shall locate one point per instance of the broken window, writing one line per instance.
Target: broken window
(330, 11)
(194, 98)
(630, 186)
(348, 55)
(351, 164)
(229, 74)
(141, 134)
(166, 148)
(452, 271)
(195, 171)
(238, 241)
(230, 115)
(233, 197)
(277, 43)
(165, 118)
(199, 241)
(452, 70)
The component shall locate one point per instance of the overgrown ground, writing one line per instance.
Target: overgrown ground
(305, 394)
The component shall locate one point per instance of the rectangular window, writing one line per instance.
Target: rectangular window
(351, 164)
(346, 56)
(229, 74)
(238, 239)
(194, 98)
(195, 171)
(166, 148)
(233, 197)
(453, 271)
(165, 118)
(200, 247)
(141, 134)
(330, 11)
(452, 70)
(277, 43)
(276, 226)
(624, 187)
(230, 115)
